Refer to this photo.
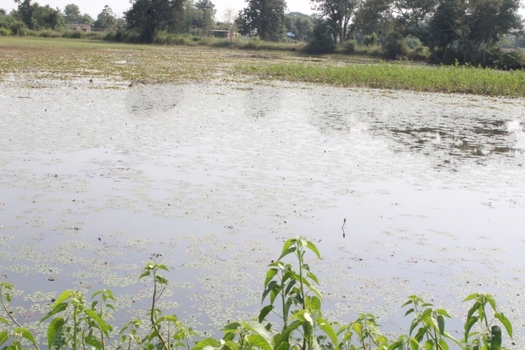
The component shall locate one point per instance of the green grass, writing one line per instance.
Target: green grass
(446, 79)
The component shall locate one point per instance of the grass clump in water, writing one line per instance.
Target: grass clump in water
(446, 79)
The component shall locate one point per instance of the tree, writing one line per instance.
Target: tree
(38, 17)
(264, 18)
(148, 16)
(338, 14)
(201, 15)
(72, 15)
(373, 17)
(106, 19)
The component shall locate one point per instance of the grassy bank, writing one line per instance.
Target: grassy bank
(64, 59)
(447, 79)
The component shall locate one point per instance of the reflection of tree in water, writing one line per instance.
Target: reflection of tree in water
(455, 137)
(146, 100)
(261, 103)
(329, 116)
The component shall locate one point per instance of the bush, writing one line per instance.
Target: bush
(5, 32)
(370, 40)
(72, 34)
(48, 34)
(349, 47)
(499, 58)
(322, 41)
(394, 46)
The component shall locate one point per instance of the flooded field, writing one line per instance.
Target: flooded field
(210, 178)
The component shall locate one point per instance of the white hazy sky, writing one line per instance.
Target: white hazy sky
(94, 7)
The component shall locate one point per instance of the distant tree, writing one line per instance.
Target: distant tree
(149, 16)
(264, 18)
(72, 15)
(3, 12)
(25, 13)
(106, 19)
(38, 17)
(372, 17)
(338, 14)
(201, 15)
(300, 25)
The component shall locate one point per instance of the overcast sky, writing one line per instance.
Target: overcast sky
(94, 7)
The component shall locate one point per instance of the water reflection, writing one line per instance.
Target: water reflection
(456, 138)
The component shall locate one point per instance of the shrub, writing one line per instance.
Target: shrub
(72, 34)
(349, 47)
(394, 46)
(48, 34)
(5, 32)
(322, 41)
(371, 39)
(499, 58)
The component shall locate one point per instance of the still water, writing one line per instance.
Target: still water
(210, 179)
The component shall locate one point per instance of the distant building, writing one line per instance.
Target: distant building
(226, 34)
(86, 28)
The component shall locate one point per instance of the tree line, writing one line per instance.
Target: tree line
(463, 30)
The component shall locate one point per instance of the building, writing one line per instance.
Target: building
(86, 28)
(226, 34)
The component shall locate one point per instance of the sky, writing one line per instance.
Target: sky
(94, 7)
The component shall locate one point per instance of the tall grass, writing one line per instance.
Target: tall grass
(446, 79)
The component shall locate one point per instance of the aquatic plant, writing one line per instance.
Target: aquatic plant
(294, 301)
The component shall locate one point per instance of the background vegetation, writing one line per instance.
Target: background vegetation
(484, 32)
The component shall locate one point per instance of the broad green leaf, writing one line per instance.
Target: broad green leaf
(313, 277)
(409, 312)
(441, 324)
(58, 308)
(264, 312)
(53, 331)
(491, 301)
(258, 341)
(473, 309)
(62, 297)
(313, 248)
(496, 338)
(443, 312)
(471, 296)
(260, 330)
(290, 242)
(329, 331)
(208, 343)
(270, 274)
(505, 321)
(4, 336)
(468, 325)
(26, 334)
(162, 267)
(3, 320)
(287, 252)
(93, 341)
(102, 325)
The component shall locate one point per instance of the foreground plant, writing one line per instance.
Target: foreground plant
(291, 320)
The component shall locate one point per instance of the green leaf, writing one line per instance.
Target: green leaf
(264, 312)
(93, 341)
(258, 341)
(496, 338)
(270, 274)
(441, 324)
(261, 331)
(327, 328)
(505, 321)
(102, 325)
(443, 312)
(208, 343)
(313, 248)
(62, 297)
(313, 277)
(162, 267)
(3, 320)
(26, 334)
(287, 252)
(54, 331)
(409, 312)
(491, 301)
(58, 308)
(4, 336)
(471, 296)
(471, 321)
(290, 242)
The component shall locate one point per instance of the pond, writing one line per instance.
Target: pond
(211, 178)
